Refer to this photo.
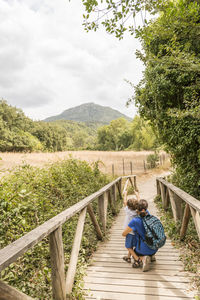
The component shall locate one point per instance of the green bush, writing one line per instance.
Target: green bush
(29, 197)
(152, 160)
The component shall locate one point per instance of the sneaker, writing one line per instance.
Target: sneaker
(153, 258)
(146, 261)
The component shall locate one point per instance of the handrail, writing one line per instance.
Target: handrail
(171, 194)
(53, 228)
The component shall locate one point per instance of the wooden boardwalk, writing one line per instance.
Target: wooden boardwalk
(109, 277)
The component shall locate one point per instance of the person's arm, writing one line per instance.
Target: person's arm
(126, 231)
(125, 198)
(136, 192)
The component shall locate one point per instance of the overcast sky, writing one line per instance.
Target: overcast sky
(48, 63)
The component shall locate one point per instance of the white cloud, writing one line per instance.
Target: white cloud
(48, 63)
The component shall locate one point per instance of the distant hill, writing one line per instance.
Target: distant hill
(89, 112)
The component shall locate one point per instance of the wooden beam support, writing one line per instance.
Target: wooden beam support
(57, 264)
(176, 204)
(8, 292)
(75, 251)
(102, 205)
(185, 221)
(119, 186)
(196, 218)
(163, 195)
(114, 194)
(158, 187)
(95, 223)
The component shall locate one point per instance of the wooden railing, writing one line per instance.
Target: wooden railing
(182, 204)
(61, 284)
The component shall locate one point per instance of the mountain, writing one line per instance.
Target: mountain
(89, 112)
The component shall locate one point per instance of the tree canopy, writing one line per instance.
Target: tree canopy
(169, 93)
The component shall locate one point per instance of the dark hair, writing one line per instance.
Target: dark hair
(142, 207)
(132, 203)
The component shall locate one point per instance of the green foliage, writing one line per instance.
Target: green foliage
(29, 197)
(121, 134)
(152, 160)
(169, 94)
(115, 16)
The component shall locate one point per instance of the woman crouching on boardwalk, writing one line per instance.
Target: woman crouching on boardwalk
(142, 254)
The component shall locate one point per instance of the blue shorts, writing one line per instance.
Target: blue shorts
(130, 241)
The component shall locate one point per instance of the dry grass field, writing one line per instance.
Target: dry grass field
(117, 163)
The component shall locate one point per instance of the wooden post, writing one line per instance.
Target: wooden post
(102, 204)
(8, 292)
(144, 166)
(119, 186)
(123, 167)
(94, 221)
(158, 187)
(75, 251)
(176, 204)
(131, 167)
(113, 170)
(135, 183)
(185, 221)
(110, 200)
(57, 264)
(196, 218)
(114, 194)
(163, 195)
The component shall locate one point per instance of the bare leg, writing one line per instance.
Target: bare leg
(132, 252)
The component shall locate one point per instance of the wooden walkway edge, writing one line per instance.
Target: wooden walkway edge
(109, 277)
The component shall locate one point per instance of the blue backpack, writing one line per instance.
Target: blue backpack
(154, 232)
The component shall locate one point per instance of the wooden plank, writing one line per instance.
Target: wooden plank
(185, 221)
(120, 261)
(8, 292)
(94, 222)
(75, 251)
(100, 295)
(124, 265)
(119, 256)
(122, 251)
(130, 270)
(10, 253)
(57, 264)
(137, 290)
(134, 282)
(139, 276)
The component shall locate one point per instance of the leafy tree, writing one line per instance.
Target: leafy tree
(169, 93)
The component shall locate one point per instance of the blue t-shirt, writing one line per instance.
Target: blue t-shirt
(137, 226)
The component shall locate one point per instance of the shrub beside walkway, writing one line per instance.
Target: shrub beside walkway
(109, 277)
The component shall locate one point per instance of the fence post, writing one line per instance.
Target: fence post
(113, 171)
(144, 166)
(57, 264)
(102, 204)
(186, 218)
(131, 167)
